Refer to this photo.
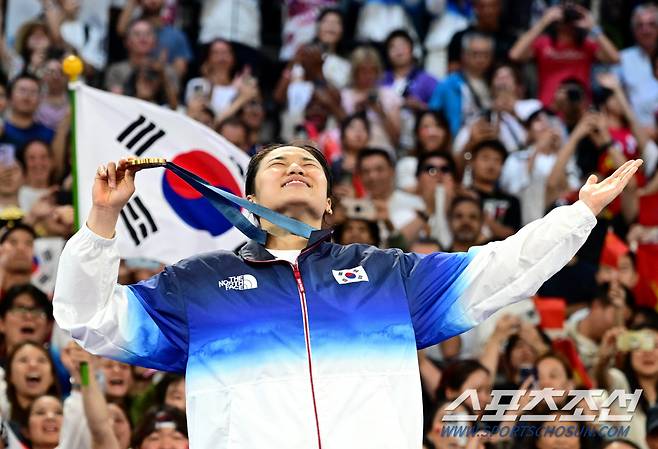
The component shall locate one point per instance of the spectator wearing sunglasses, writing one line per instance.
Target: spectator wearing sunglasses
(436, 186)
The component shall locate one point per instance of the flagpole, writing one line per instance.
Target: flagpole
(72, 66)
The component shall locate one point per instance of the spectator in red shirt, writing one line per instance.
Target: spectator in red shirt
(562, 49)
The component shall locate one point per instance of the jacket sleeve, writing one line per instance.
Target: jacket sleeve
(143, 324)
(449, 294)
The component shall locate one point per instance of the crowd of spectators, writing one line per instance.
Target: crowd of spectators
(447, 124)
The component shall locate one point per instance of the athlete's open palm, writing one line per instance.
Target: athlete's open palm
(597, 195)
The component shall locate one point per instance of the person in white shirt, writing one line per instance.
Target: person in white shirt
(635, 69)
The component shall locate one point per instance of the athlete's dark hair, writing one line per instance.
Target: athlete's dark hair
(254, 164)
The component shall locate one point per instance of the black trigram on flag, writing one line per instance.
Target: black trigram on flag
(140, 135)
(138, 220)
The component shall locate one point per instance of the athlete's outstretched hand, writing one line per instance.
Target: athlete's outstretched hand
(113, 186)
(597, 195)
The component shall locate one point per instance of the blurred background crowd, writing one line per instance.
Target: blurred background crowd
(447, 124)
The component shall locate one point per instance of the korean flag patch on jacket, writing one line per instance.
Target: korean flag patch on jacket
(349, 275)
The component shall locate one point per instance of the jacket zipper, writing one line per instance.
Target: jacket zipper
(307, 336)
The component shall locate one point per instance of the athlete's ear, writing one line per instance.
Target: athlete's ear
(250, 198)
(328, 208)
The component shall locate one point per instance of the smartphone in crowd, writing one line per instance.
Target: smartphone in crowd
(7, 154)
(359, 209)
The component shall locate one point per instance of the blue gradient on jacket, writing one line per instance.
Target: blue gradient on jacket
(148, 345)
(437, 296)
(229, 336)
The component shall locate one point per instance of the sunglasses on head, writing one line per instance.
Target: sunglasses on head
(433, 170)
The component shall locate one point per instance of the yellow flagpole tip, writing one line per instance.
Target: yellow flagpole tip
(72, 66)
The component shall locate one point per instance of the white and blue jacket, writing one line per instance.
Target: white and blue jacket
(319, 354)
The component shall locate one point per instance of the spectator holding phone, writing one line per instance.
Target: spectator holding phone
(381, 104)
(561, 47)
(432, 133)
(410, 82)
(465, 94)
(638, 348)
(11, 179)
(437, 187)
(396, 210)
(36, 158)
(610, 307)
(140, 42)
(354, 137)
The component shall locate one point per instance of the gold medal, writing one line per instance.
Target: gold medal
(148, 162)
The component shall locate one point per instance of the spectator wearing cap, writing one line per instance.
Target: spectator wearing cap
(140, 42)
(502, 212)
(396, 209)
(410, 82)
(487, 22)
(21, 125)
(464, 95)
(17, 251)
(636, 69)
(171, 41)
(526, 172)
(164, 428)
(560, 45)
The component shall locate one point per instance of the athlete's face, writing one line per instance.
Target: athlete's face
(290, 180)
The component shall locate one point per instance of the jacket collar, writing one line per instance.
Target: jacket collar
(253, 251)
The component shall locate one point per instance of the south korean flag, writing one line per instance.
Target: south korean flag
(349, 275)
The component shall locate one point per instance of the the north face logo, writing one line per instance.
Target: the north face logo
(242, 282)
